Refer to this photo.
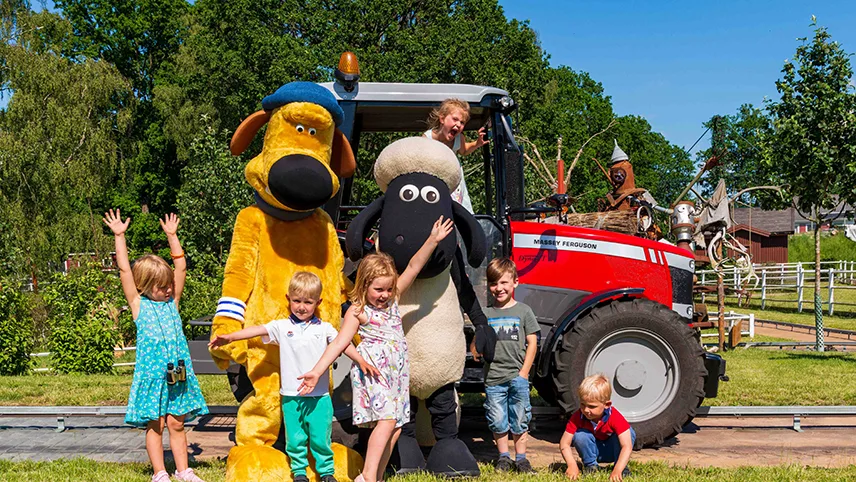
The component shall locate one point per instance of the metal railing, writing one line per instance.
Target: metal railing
(794, 411)
(787, 283)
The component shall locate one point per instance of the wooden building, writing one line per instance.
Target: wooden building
(764, 233)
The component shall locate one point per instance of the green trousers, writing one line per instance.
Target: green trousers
(308, 419)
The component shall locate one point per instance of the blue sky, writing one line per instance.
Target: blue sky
(679, 63)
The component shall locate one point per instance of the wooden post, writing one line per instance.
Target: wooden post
(764, 289)
(735, 334)
(720, 298)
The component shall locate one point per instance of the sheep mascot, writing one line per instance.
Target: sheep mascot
(417, 175)
(284, 232)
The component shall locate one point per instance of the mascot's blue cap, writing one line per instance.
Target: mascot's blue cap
(304, 92)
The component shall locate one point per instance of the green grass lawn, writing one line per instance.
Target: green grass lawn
(56, 389)
(82, 469)
(758, 377)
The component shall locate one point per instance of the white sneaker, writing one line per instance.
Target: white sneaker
(161, 476)
(187, 475)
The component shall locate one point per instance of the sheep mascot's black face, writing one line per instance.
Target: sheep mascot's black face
(417, 174)
(411, 200)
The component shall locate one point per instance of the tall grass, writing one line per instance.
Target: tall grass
(832, 248)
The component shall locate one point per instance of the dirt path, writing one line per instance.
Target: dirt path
(826, 442)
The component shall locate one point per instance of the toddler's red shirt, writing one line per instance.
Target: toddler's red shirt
(612, 422)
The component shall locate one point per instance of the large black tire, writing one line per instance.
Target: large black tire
(650, 349)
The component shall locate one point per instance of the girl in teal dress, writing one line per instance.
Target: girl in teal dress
(165, 390)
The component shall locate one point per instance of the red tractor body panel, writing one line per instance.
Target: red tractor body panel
(591, 260)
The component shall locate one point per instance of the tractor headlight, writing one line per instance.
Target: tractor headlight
(505, 104)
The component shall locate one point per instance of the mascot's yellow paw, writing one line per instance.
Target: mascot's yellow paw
(262, 463)
(259, 463)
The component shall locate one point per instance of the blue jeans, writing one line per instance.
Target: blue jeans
(507, 406)
(593, 451)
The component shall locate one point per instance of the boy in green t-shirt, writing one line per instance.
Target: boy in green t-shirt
(507, 377)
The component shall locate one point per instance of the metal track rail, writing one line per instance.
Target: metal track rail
(542, 413)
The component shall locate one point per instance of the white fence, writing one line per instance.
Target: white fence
(731, 319)
(791, 279)
(122, 349)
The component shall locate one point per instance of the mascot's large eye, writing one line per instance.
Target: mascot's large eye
(430, 194)
(311, 131)
(408, 193)
(300, 128)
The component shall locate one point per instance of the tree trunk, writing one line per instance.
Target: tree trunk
(818, 308)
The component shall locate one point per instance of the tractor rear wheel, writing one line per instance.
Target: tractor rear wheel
(648, 353)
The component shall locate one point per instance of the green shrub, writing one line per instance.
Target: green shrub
(83, 345)
(16, 331)
(201, 293)
(87, 319)
(832, 248)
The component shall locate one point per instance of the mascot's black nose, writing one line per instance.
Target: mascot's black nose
(300, 182)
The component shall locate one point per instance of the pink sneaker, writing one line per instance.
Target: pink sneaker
(161, 476)
(187, 475)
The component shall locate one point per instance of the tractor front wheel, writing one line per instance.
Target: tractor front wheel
(648, 353)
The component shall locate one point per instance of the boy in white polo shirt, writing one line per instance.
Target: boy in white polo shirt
(302, 339)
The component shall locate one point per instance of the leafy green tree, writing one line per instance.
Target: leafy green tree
(59, 146)
(138, 37)
(741, 158)
(813, 138)
(212, 193)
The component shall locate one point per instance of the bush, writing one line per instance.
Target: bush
(832, 248)
(201, 293)
(16, 331)
(87, 319)
(82, 345)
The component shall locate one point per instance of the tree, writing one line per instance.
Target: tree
(813, 138)
(59, 145)
(741, 162)
(213, 191)
(138, 37)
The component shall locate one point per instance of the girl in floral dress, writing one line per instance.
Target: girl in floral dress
(159, 396)
(382, 402)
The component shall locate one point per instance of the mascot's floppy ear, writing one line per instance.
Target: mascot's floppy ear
(472, 234)
(359, 228)
(248, 129)
(342, 160)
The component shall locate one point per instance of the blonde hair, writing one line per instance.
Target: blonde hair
(372, 267)
(151, 271)
(304, 283)
(446, 108)
(499, 267)
(595, 388)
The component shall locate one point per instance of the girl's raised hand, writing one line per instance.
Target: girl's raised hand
(169, 223)
(114, 222)
(442, 229)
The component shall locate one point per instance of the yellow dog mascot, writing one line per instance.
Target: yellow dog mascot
(284, 232)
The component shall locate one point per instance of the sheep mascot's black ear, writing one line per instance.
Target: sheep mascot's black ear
(472, 234)
(355, 238)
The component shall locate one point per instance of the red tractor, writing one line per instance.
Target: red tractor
(607, 303)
